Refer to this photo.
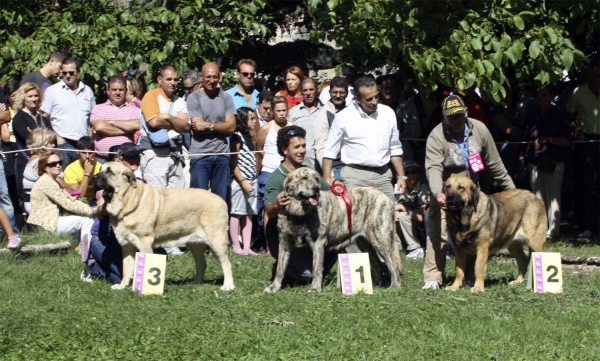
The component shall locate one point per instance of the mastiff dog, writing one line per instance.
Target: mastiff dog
(479, 225)
(319, 219)
(144, 217)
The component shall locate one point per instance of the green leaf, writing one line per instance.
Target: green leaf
(505, 40)
(429, 62)
(526, 13)
(551, 34)
(534, 49)
(476, 44)
(519, 22)
(567, 58)
(458, 36)
(471, 78)
(496, 46)
(386, 43)
(464, 25)
(489, 67)
(480, 67)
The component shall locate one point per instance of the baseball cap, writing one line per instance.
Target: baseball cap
(411, 163)
(128, 150)
(453, 104)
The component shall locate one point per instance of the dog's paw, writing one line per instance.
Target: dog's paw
(314, 290)
(453, 288)
(477, 289)
(118, 286)
(516, 282)
(271, 289)
(227, 288)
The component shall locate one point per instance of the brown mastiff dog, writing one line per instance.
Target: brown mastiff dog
(144, 217)
(479, 225)
(318, 219)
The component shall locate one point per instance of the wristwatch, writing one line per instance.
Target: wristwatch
(402, 177)
(212, 127)
(112, 122)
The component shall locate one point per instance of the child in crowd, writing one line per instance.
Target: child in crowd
(242, 182)
(82, 170)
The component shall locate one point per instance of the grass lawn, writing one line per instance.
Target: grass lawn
(47, 313)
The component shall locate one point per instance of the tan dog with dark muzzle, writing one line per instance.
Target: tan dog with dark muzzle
(479, 225)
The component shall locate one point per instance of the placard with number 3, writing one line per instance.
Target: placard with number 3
(354, 273)
(149, 276)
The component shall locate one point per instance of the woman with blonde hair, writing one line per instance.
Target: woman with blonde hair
(292, 77)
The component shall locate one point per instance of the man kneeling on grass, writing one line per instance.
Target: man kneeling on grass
(291, 145)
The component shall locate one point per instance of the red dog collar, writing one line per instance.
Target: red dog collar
(339, 189)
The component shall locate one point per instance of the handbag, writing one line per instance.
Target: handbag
(158, 137)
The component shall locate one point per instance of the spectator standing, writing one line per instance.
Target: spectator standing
(550, 135)
(583, 110)
(292, 77)
(5, 201)
(337, 101)
(243, 182)
(69, 104)
(264, 110)
(191, 82)
(164, 111)
(115, 121)
(134, 92)
(212, 115)
(52, 68)
(243, 93)
(304, 115)
(349, 72)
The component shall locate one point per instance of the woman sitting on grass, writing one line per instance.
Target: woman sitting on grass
(49, 199)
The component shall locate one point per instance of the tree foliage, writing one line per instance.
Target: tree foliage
(464, 43)
(111, 36)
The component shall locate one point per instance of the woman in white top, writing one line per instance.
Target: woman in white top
(266, 140)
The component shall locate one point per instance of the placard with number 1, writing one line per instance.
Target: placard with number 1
(354, 273)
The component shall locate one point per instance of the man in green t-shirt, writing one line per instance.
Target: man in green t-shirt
(291, 144)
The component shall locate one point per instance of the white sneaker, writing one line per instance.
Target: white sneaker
(416, 253)
(86, 276)
(173, 251)
(585, 234)
(431, 285)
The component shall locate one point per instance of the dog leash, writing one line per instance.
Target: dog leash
(339, 189)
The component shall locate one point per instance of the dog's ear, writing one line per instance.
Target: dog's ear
(474, 196)
(131, 178)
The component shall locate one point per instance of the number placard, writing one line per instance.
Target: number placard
(354, 273)
(149, 277)
(545, 272)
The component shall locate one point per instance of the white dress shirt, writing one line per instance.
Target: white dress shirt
(365, 140)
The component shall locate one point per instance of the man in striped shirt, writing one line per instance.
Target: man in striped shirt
(115, 121)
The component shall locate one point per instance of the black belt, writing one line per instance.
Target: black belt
(381, 169)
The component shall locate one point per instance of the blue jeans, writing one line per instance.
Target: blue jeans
(68, 157)
(5, 201)
(109, 258)
(212, 170)
(261, 181)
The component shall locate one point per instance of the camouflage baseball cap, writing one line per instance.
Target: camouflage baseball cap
(453, 104)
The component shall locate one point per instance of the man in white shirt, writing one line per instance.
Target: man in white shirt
(348, 71)
(69, 104)
(366, 135)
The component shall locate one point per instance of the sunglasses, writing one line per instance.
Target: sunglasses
(411, 172)
(189, 88)
(248, 75)
(65, 73)
(54, 164)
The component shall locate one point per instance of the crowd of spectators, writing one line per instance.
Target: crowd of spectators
(361, 129)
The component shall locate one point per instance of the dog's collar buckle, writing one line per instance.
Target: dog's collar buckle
(339, 189)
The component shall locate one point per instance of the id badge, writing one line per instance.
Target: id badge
(476, 163)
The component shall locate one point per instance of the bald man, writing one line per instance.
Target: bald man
(212, 114)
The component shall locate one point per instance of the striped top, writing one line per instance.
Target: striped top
(107, 111)
(246, 159)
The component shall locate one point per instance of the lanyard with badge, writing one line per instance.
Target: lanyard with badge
(474, 160)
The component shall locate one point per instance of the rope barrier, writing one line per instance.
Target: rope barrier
(258, 151)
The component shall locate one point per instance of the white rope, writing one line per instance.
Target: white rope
(254, 151)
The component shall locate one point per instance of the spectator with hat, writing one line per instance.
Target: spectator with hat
(451, 147)
(410, 210)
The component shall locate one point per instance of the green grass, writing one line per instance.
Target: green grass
(46, 313)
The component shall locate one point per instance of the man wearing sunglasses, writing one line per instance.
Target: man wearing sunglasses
(243, 93)
(69, 104)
